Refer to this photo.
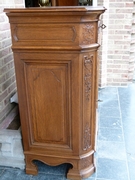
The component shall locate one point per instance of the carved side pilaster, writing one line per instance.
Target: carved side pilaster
(88, 73)
(88, 60)
(86, 136)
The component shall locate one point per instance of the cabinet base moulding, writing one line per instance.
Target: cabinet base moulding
(81, 168)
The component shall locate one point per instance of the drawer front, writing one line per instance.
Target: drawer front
(54, 36)
(44, 35)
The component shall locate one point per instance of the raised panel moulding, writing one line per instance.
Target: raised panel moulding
(48, 84)
(31, 33)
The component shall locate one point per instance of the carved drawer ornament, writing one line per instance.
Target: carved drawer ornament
(88, 34)
(15, 33)
(88, 63)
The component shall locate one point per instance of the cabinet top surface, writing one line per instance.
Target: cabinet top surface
(55, 9)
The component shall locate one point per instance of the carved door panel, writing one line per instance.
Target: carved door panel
(48, 95)
(47, 89)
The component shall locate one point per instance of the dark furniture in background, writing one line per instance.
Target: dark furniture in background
(34, 3)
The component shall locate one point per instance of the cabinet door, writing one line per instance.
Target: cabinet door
(46, 98)
(47, 90)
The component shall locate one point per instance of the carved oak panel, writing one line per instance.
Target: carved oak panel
(32, 34)
(47, 86)
(87, 101)
(88, 33)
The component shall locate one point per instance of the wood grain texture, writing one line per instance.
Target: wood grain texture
(55, 55)
(49, 83)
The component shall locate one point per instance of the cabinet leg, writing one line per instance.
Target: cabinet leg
(81, 169)
(75, 174)
(31, 168)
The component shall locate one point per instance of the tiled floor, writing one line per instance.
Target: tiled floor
(115, 145)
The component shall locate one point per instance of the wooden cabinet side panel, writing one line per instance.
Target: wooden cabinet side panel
(20, 76)
(89, 100)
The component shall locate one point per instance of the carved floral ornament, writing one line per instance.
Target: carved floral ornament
(88, 34)
(88, 66)
(88, 62)
(87, 136)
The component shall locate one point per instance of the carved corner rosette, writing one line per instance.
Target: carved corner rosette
(88, 34)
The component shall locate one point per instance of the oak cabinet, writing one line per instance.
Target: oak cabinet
(55, 55)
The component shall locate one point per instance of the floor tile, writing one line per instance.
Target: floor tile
(127, 105)
(111, 150)
(112, 169)
(102, 179)
(14, 174)
(43, 176)
(127, 114)
(92, 177)
(110, 122)
(131, 165)
(108, 95)
(128, 123)
(1, 171)
(109, 112)
(131, 157)
(7, 167)
(108, 103)
(110, 134)
(129, 91)
(127, 101)
(59, 170)
(109, 90)
(129, 135)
